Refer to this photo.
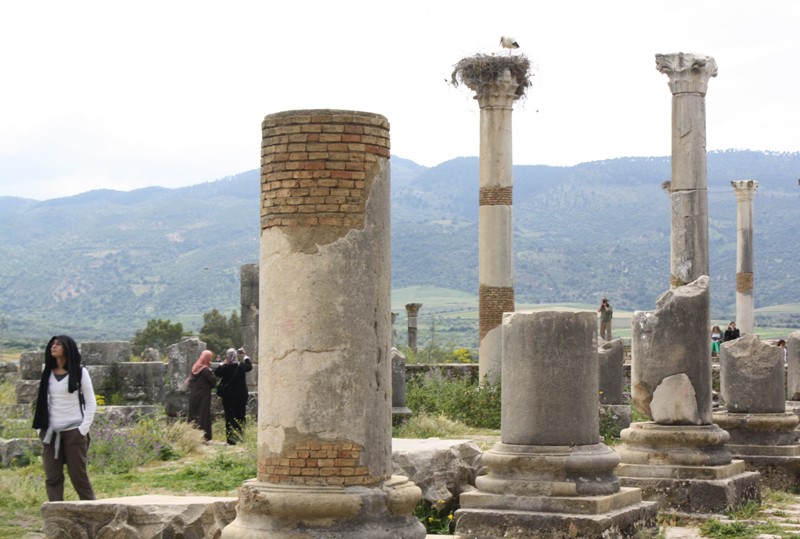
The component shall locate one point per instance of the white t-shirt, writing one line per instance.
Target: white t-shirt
(64, 407)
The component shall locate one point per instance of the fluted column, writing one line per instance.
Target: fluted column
(745, 191)
(688, 80)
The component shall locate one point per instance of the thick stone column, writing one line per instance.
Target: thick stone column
(762, 432)
(550, 475)
(248, 276)
(679, 458)
(688, 80)
(412, 312)
(324, 422)
(745, 306)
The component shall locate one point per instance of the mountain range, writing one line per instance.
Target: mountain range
(100, 264)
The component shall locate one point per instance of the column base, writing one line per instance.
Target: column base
(283, 511)
(487, 516)
(693, 489)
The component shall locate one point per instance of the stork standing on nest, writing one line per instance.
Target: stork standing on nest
(508, 42)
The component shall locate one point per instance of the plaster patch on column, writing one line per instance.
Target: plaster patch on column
(675, 402)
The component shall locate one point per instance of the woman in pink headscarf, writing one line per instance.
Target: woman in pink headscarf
(201, 382)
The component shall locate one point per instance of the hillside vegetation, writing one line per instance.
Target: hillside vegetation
(100, 264)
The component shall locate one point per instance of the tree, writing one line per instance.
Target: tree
(220, 333)
(158, 334)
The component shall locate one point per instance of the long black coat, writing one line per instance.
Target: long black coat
(234, 380)
(200, 386)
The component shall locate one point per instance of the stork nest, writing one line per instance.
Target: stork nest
(482, 70)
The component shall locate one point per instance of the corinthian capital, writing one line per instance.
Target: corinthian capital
(744, 189)
(687, 72)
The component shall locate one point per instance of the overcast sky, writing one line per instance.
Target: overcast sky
(123, 95)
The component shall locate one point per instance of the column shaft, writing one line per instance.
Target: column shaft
(745, 191)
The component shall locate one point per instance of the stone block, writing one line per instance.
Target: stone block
(139, 517)
(27, 391)
(105, 352)
(31, 365)
(443, 469)
(103, 379)
(752, 376)
(18, 451)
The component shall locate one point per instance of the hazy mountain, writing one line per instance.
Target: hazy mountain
(102, 263)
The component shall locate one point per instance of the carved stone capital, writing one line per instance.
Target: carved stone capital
(745, 189)
(687, 72)
(499, 93)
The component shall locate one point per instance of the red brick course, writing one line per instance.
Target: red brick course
(317, 166)
(495, 196)
(318, 463)
(493, 302)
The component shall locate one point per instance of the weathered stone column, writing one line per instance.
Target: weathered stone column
(688, 80)
(497, 81)
(550, 475)
(679, 458)
(611, 364)
(412, 311)
(324, 422)
(762, 432)
(745, 306)
(248, 276)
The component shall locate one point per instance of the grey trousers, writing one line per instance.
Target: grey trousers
(73, 452)
(605, 330)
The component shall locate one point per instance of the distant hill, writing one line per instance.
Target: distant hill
(102, 263)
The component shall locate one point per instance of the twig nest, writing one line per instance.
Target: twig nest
(482, 70)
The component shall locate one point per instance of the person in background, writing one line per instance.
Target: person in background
(782, 345)
(716, 338)
(201, 382)
(65, 408)
(606, 314)
(233, 391)
(732, 333)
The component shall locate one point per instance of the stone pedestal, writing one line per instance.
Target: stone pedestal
(762, 433)
(686, 469)
(549, 476)
(325, 386)
(680, 459)
(611, 362)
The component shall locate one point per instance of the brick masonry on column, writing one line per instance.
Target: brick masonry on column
(315, 167)
(319, 463)
(495, 196)
(494, 301)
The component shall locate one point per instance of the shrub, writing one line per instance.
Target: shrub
(117, 448)
(475, 405)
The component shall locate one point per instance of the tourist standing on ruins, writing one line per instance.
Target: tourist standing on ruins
(782, 345)
(732, 333)
(64, 413)
(233, 391)
(606, 313)
(201, 382)
(716, 338)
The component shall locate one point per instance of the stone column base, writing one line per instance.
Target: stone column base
(283, 511)
(693, 489)
(400, 415)
(487, 516)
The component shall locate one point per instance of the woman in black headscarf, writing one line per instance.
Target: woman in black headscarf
(64, 412)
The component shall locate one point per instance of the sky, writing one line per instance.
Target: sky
(123, 95)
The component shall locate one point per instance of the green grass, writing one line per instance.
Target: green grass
(196, 469)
